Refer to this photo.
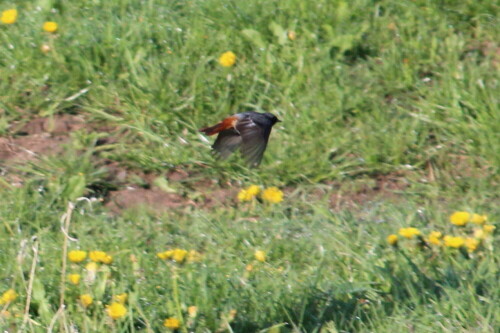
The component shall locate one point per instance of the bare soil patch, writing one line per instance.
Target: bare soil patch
(204, 193)
(155, 199)
(56, 126)
(28, 148)
(383, 187)
(40, 136)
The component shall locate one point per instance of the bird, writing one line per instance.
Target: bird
(248, 131)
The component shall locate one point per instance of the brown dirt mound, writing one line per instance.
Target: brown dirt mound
(40, 136)
(203, 193)
(152, 198)
(57, 125)
(28, 148)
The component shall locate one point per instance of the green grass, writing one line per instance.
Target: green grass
(404, 89)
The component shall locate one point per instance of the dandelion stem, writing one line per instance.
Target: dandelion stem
(65, 231)
(177, 302)
(30, 285)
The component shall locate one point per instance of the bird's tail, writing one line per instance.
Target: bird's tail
(213, 129)
(227, 123)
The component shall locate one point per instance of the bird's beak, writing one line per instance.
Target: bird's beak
(278, 121)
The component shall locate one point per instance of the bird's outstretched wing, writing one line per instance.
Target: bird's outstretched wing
(227, 142)
(254, 140)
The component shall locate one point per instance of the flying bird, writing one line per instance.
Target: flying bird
(248, 131)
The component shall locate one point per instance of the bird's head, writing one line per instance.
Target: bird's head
(272, 118)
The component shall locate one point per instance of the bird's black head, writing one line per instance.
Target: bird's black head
(272, 118)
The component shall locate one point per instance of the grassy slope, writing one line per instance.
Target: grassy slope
(366, 88)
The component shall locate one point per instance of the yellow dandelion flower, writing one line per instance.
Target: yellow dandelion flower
(121, 298)
(97, 256)
(454, 242)
(243, 196)
(86, 300)
(194, 256)
(479, 219)
(479, 234)
(291, 35)
(116, 310)
(409, 232)
(77, 256)
(471, 244)
(172, 323)
(192, 311)
(165, 254)
(107, 259)
(260, 255)
(435, 237)
(179, 255)
(249, 193)
(272, 195)
(253, 190)
(8, 297)
(92, 267)
(9, 16)
(101, 257)
(392, 239)
(50, 26)
(249, 268)
(460, 218)
(488, 228)
(227, 59)
(74, 278)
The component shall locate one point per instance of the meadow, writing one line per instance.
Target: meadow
(374, 209)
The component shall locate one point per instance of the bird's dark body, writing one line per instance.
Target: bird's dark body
(248, 131)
